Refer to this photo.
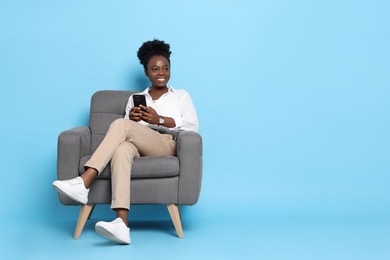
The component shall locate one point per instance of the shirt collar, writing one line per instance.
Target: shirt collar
(170, 89)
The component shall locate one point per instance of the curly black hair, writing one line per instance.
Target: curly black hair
(153, 48)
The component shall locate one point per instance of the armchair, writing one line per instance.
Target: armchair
(169, 180)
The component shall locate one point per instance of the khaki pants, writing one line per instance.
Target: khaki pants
(124, 141)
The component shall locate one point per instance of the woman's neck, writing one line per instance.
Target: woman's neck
(157, 92)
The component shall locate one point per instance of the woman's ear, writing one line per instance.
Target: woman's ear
(146, 73)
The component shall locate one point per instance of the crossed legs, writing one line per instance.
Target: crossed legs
(124, 141)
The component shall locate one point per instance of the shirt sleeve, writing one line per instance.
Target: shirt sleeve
(129, 106)
(189, 118)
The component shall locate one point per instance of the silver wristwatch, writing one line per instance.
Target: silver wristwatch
(161, 121)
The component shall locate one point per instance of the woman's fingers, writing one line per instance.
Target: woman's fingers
(147, 114)
(135, 114)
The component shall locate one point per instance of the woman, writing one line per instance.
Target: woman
(131, 137)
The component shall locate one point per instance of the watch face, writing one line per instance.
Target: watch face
(161, 121)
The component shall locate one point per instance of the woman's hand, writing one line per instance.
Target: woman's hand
(135, 114)
(149, 115)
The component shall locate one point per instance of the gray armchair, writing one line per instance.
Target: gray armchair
(169, 180)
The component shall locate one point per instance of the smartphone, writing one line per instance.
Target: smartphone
(139, 100)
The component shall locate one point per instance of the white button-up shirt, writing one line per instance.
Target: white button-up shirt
(176, 103)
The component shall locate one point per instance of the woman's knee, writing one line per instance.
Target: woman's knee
(118, 122)
(122, 122)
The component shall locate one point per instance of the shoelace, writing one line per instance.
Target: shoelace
(117, 221)
(75, 182)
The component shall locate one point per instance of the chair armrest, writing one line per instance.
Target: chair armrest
(73, 144)
(189, 151)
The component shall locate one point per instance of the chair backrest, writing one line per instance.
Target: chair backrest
(106, 106)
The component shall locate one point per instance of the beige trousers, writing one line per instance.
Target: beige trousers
(124, 141)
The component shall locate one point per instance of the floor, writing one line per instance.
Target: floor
(211, 235)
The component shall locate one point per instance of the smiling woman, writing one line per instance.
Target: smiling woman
(131, 137)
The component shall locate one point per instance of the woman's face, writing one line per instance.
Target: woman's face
(158, 71)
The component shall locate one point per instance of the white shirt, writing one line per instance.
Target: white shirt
(176, 103)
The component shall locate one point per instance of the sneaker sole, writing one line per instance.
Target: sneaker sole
(70, 194)
(107, 234)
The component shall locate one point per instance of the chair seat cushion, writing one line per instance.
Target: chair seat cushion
(144, 167)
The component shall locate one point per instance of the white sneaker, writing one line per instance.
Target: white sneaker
(73, 188)
(115, 230)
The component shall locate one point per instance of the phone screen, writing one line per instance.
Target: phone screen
(139, 100)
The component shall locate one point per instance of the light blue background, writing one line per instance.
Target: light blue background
(293, 102)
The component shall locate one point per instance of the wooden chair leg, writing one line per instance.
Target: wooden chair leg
(175, 216)
(85, 212)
